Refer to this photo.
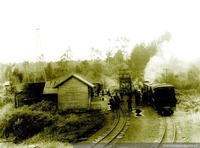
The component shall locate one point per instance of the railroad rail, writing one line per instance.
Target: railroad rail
(110, 137)
(167, 132)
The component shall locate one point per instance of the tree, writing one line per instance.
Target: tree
(119, 57)
(165, 37)
(39, 71)
(78, 69)
(95, 54)
(3, 77)
(140, 56)
(95, 71)
(181, 81)
(8, 71)
(122, 44)
(83, 68)
(64, 60)
(18, 76)
(49, 72)
(138, 59)
(109, 54)
(26, 70)
(193, 76)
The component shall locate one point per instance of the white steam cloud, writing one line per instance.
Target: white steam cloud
(174, 56)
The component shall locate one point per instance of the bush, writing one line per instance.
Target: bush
(72, 126)
(188, 100)
(45, 106)
(37, 121)
(5, 100)
(22, 124)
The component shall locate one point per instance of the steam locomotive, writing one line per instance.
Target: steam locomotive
(161, 96)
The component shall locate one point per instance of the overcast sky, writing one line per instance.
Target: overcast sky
(82, 24)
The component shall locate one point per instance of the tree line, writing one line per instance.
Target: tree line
(95, 68)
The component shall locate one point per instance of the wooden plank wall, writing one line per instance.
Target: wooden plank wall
(73, 94)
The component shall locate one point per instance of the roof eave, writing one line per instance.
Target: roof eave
(77, 77)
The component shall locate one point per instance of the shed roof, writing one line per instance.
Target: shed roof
(77, 77)
(48, 88)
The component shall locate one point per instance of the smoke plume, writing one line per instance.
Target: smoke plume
(174, 56)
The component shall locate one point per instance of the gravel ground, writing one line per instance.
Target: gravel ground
(146, 128)
(188, 127)
(142, 129)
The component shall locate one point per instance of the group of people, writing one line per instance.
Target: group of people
(114, 101)
(137, 100)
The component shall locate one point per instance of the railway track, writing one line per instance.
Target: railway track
(167, 133)
(109, 138)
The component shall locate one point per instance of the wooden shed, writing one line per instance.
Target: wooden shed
(50, 93)
(74, 93)
(30, 93)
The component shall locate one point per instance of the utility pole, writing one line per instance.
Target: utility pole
(38, 45)
(166, 69)
(39, 56)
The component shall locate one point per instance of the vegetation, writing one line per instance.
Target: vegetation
(37, 121)
(188, 101)
(116, 57)
(139, 61)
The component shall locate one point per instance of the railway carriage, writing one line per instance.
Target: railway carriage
(161, 96)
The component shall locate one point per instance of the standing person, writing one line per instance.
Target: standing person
(137, 98)
(112, 103)
(117, 100)
(129, 104)
(129, 101)
(144, 96)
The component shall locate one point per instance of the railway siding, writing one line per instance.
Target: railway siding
(116, 132)
(146, 129)
(170, 130)
(113, 130)
(161, 130)
(141, 129)
(178, 131)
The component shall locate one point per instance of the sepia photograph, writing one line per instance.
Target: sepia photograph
(99, 74)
